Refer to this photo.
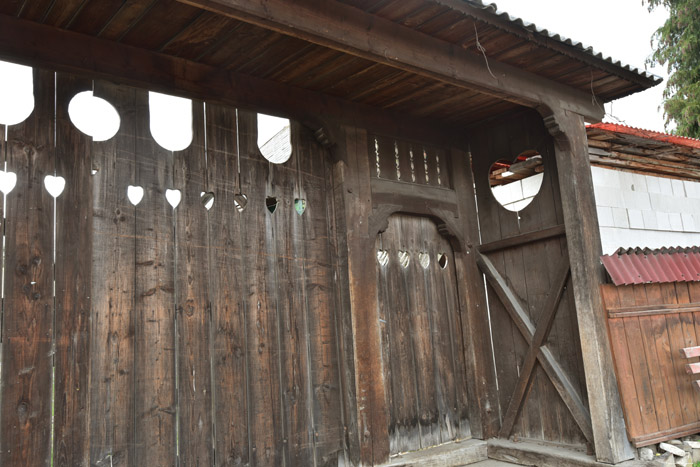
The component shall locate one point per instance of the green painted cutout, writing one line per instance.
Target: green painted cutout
(300, 206)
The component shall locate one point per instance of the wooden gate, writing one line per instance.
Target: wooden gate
(524, 258)
(422, 343)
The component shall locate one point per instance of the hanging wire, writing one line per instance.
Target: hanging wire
(483, 52)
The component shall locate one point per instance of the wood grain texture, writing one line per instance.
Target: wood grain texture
(154, 303)
(27, 327)
(74, 240)
(228, 284)
(192, 280)
(112, 326)
(658, 397)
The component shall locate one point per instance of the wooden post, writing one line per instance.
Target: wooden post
(583, 241)
(367, 420)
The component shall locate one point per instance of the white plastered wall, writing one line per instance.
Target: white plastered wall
(636, 210)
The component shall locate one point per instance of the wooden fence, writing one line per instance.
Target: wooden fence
(175, 336)
(649, 325)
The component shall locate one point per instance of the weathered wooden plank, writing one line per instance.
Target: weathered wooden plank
(74, 213)
(421, 329)
(665, 357)
(112, 327)
(155, 397)
(27, 327)
(323, 355)
(228, 283)
(676, 340)
(258, 243)
(193, 276)
(651, 310)
(291, 309)
(523, 239)
(688, 328)
(408, 429)
(646, 325)
(623, 364)
(633, 335)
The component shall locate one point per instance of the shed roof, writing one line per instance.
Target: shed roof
(640, 266)
(198, 39)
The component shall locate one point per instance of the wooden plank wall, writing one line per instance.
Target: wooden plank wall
(422, 344)
(175, 335)
(648, 325)
(528, 266)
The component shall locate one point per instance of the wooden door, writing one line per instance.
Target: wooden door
(422, 343)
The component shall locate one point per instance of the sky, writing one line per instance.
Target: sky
(621, 29)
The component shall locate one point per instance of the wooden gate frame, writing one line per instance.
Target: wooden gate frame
(363, 207)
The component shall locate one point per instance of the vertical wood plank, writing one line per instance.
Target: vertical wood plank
(73, 281)
(193, 276)
(228, 284)
(154, 330)
(623, 364)
(27, 334)
(112, 327)
(320, 308)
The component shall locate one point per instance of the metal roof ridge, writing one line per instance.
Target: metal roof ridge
(532, 27)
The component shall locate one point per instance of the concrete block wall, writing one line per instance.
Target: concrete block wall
(645, 210)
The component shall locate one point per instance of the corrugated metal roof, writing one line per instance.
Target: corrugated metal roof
(641, 266)
(533, 28)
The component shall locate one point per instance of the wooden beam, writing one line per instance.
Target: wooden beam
(550, 365)
(347, 29)
(692, 368)
(648, 310)
(584, 248)
(522, 239)
(690, 352)
(33, 44)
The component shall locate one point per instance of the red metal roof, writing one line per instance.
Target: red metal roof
(640, 266)
(648, 134)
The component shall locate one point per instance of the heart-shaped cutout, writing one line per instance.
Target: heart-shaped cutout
(240, 201)
(135, 194)
(207, 199)
(383, 257)
(424, 260)
(173, 196)
(442, 260)
(8, 180)
(404, 258)
(515, 184)
(271, 203)
(54, 185)
(300, 206)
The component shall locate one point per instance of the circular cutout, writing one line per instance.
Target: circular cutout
(442, 260)
(515, 184)
(16, 93)
(274, 138)
(93, 116)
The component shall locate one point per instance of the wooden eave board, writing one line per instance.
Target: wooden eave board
(177, 29)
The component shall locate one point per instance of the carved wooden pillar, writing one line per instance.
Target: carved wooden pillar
(584, 246)
(367, 417)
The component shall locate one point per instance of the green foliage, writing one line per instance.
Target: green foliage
(677, 45)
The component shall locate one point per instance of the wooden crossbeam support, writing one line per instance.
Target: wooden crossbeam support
(692, 368)
(538, 340)
(351, 30)
(523, 239)
(549, 363)
(34, 44)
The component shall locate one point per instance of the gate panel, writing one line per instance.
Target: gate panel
(422, 342)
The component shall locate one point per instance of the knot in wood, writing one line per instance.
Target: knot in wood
(22, 412)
